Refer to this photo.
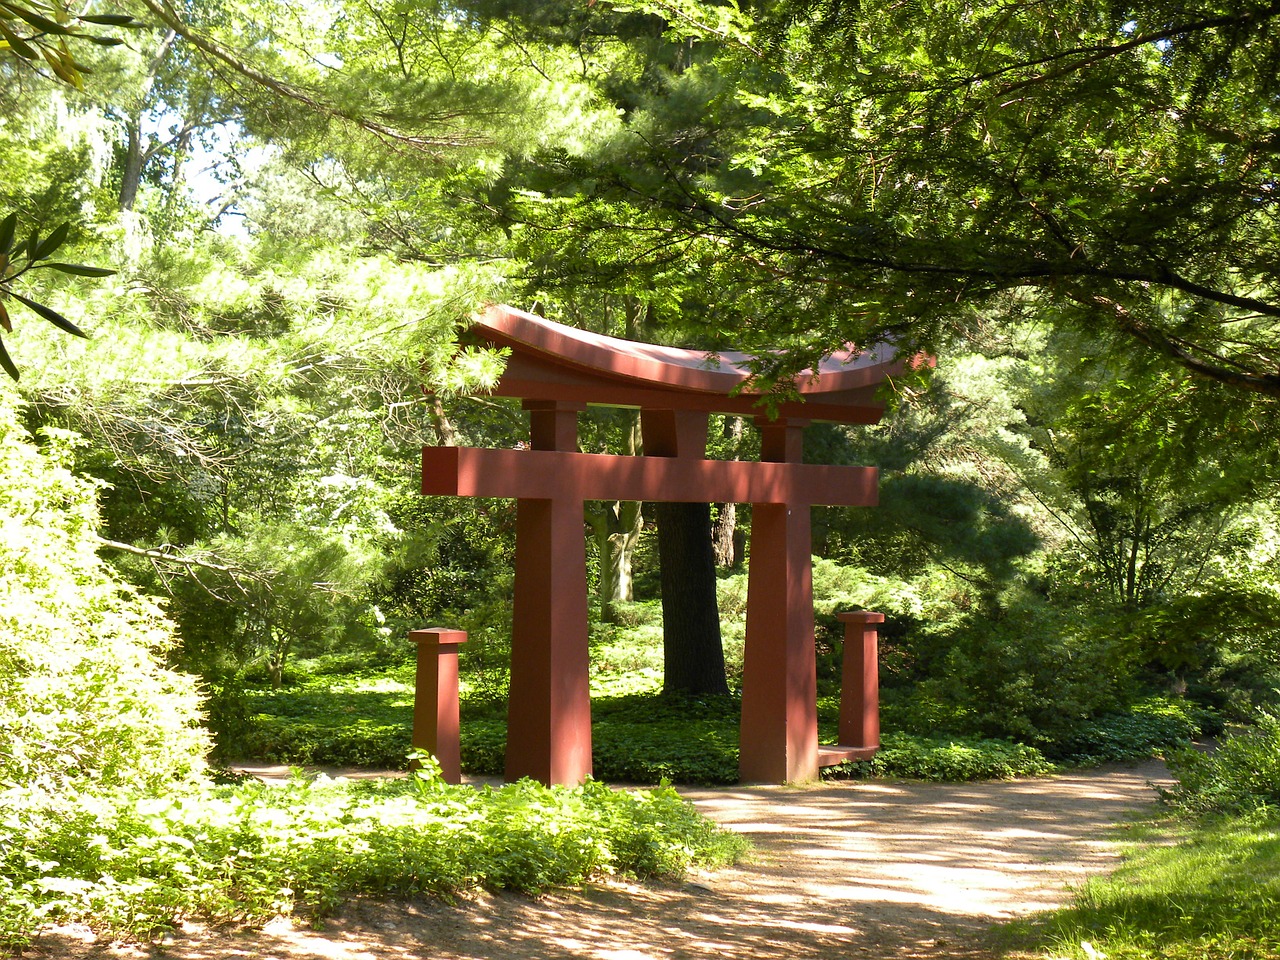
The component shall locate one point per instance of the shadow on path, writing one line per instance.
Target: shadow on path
(884, 870)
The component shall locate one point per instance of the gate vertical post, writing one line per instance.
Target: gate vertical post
(435, 700)
(860, 680)
(549, 709)
(778, 737)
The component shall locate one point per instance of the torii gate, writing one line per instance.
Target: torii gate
(557, 370)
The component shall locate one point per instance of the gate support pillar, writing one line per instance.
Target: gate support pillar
(549, 710)
(778, 738)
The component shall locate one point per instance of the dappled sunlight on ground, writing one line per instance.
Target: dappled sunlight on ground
(843, 870)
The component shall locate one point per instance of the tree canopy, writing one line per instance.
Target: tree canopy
(840, 171)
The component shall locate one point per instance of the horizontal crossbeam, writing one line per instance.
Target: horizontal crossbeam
(551, 474)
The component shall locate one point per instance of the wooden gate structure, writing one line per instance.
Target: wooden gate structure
(557, 371)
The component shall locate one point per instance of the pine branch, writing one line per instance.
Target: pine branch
(310, 98)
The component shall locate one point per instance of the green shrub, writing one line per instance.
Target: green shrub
(1242, 774)
(1150, 727)
(1034, 674)
(947, 759)
(84, 697)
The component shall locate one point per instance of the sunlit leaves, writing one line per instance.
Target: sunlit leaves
(920, 162)
(34, 252)
(38, 33)
(83, 695)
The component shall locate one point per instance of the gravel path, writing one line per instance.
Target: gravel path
(842, 870)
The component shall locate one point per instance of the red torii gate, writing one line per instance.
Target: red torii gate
(557, 370)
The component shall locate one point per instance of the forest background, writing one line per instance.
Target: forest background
(243, 236)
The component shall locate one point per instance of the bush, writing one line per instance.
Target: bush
(84, 698)
(1241, 775)
(1033, 674)
(1151, 727)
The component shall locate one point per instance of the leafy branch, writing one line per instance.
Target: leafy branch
(18, 257)
(165, 560)
(38, 33)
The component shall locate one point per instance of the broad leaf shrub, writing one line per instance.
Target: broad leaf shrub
(132, 865)
(1240, 776)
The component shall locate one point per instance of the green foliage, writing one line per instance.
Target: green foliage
(642, 737)
(648, 738)
(1156, 726)
(1032, 672)
(36, 34)
(83, 697)
(1240, 774)
(132, 865)
(945, 162)
(319, 726)
(1194, 633)
(1190, 892)
(33, 253)
(957, 759)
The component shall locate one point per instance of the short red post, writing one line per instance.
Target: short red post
(435, 701)
(860, 680)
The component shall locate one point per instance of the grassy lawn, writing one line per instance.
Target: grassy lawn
(1187, 891)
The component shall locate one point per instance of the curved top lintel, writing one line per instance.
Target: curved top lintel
(673, 369)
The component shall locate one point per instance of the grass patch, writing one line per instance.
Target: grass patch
(1193, 891)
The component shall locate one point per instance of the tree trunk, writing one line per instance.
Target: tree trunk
(446, 433)
(724, 527)
(131, 173)
(615, 528)
(693, 656)
(135, 159)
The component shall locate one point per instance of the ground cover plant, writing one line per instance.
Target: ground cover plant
(131, 864)
(640, 735)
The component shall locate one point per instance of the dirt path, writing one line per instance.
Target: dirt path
(849, 870)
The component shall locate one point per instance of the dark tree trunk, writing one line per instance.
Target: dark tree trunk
(693, 656)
